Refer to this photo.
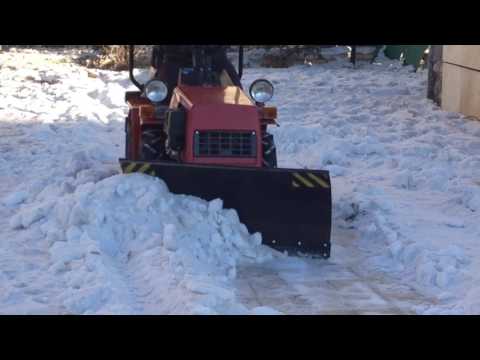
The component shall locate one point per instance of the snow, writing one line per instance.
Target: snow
(15, 198)
(79, 238)
(178, 245)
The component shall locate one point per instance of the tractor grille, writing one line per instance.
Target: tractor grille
(225, 144)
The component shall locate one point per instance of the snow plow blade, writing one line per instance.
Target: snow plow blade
(291, 208)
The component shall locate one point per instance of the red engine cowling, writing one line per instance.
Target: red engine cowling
(223, 126)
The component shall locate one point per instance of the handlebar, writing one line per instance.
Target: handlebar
(203, 62)
(131, 60)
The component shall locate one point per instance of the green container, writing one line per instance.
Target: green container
(411, 54)
(414, 54)
(394, 51)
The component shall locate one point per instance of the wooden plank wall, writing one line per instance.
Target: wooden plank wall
(465, 55)
(461, 79)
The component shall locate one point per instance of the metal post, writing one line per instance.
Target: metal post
(240, 62)
(131, 65)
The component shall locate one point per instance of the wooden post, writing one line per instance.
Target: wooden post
(435, 58)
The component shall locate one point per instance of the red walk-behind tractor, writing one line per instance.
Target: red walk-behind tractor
(205, 137)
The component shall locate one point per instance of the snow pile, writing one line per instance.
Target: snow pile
(183, 250)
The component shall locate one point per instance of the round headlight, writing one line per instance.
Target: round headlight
(156, 91)
(261, 90)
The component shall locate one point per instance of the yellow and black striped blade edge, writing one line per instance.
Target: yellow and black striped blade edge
(309, 180)
(144, 168)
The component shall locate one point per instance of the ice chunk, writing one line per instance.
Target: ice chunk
(30, 215)
(215, 205)
(169, 238)
(15, 198)
(265, 310)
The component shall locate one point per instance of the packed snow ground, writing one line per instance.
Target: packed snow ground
(78, 238)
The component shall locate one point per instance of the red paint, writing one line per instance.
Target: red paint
(219, 109)
(135, 102)
(222, 117)
(136, 134)
(214, 95)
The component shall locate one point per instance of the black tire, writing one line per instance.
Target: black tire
(269, 151)
(153, 144)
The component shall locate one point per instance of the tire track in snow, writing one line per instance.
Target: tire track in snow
(314, 286)
(351, 294)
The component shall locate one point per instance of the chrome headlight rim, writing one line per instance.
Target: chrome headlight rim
(156, 91)
(267, 95)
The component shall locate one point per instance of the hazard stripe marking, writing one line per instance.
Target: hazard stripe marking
(129, 168)
(303, 180)
(319, 181)
(294, 183)
(153, 173)
(144, 168)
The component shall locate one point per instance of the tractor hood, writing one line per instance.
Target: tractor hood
(215, 95)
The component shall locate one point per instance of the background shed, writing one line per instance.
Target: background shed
(461, 79)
